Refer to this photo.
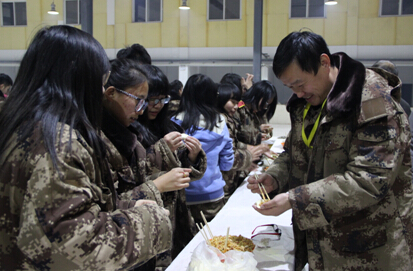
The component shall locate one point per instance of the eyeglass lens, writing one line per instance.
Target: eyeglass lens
(156, 101)
(141, 105)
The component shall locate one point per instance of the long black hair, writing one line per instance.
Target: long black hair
(59, 81)
(233, 78)
(125, 73)
(225, 93)
(199, 98)
(175, 86)
(153, 130)
(266, 91)
(136, 52)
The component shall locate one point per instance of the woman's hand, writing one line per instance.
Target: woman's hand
(278, 205)
(266, 131)
(194, 147)
(255, 152)
(174, 140)
(176, 179)
(248, 80)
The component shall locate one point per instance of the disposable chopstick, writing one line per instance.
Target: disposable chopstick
(265, 191)
(262, 193)
(203, 229)
(200, 230)
(206, 223)
(226, 239)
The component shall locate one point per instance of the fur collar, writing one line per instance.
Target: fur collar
(345, 96)
(124, 140)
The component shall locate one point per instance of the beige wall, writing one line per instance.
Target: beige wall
(351, 22)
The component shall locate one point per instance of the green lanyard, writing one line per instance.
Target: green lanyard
(308, 140)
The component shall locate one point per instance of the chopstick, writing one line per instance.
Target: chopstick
(206, 223)
(226, 239)
(264, 193)
(203, 233)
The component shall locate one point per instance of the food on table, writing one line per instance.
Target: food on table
(239, 243)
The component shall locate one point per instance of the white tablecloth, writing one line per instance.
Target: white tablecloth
(239, 215)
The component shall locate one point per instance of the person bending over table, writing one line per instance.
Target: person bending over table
(346, 161)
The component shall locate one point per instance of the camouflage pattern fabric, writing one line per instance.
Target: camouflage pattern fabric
(242, 158)
(183, 224)
(250, 123)
(173, 107)
(351, 194)
(67, 219)
(147, 165)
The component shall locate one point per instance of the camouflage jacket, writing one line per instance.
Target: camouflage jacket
(351, 194)
(173, 106)
(242, 158)
(147, 165)
(250, 133)
(71, 219)
(183, 225)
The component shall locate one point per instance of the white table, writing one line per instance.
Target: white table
(239, 215)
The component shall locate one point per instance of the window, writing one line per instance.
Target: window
(14, 13)
(396, 7)
(147, 10)
(307, 8)
(224, 10)
(72, 11)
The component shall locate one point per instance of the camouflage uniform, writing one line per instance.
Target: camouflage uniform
(173, 106)
(183, 225)
(242, 158)
(71, 219)
(250, 126)
(149, 164)
(351, 194)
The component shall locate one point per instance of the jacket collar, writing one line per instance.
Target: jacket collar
(123, 139)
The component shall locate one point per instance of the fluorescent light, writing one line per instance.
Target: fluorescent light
(331, 3)
(184, 6)
(53, 9)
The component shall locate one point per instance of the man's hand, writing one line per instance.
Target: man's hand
(278, 205)
(267, 180)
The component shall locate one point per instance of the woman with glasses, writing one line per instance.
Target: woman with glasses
(161, 135)
(59, 207)
(198, 115)
(124, 101)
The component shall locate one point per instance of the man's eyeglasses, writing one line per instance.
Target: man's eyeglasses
(162, 101)
(142, 104)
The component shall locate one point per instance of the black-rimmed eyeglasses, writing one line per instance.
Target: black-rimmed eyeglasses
(142, 104)
(162, 101)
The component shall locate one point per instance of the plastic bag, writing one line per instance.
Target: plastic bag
(207, 258)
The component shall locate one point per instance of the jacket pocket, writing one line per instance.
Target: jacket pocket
(361, 240)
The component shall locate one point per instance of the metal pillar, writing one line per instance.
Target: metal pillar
(86, 16)
(258, 10)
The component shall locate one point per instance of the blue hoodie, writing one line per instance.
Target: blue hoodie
(217, 145)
